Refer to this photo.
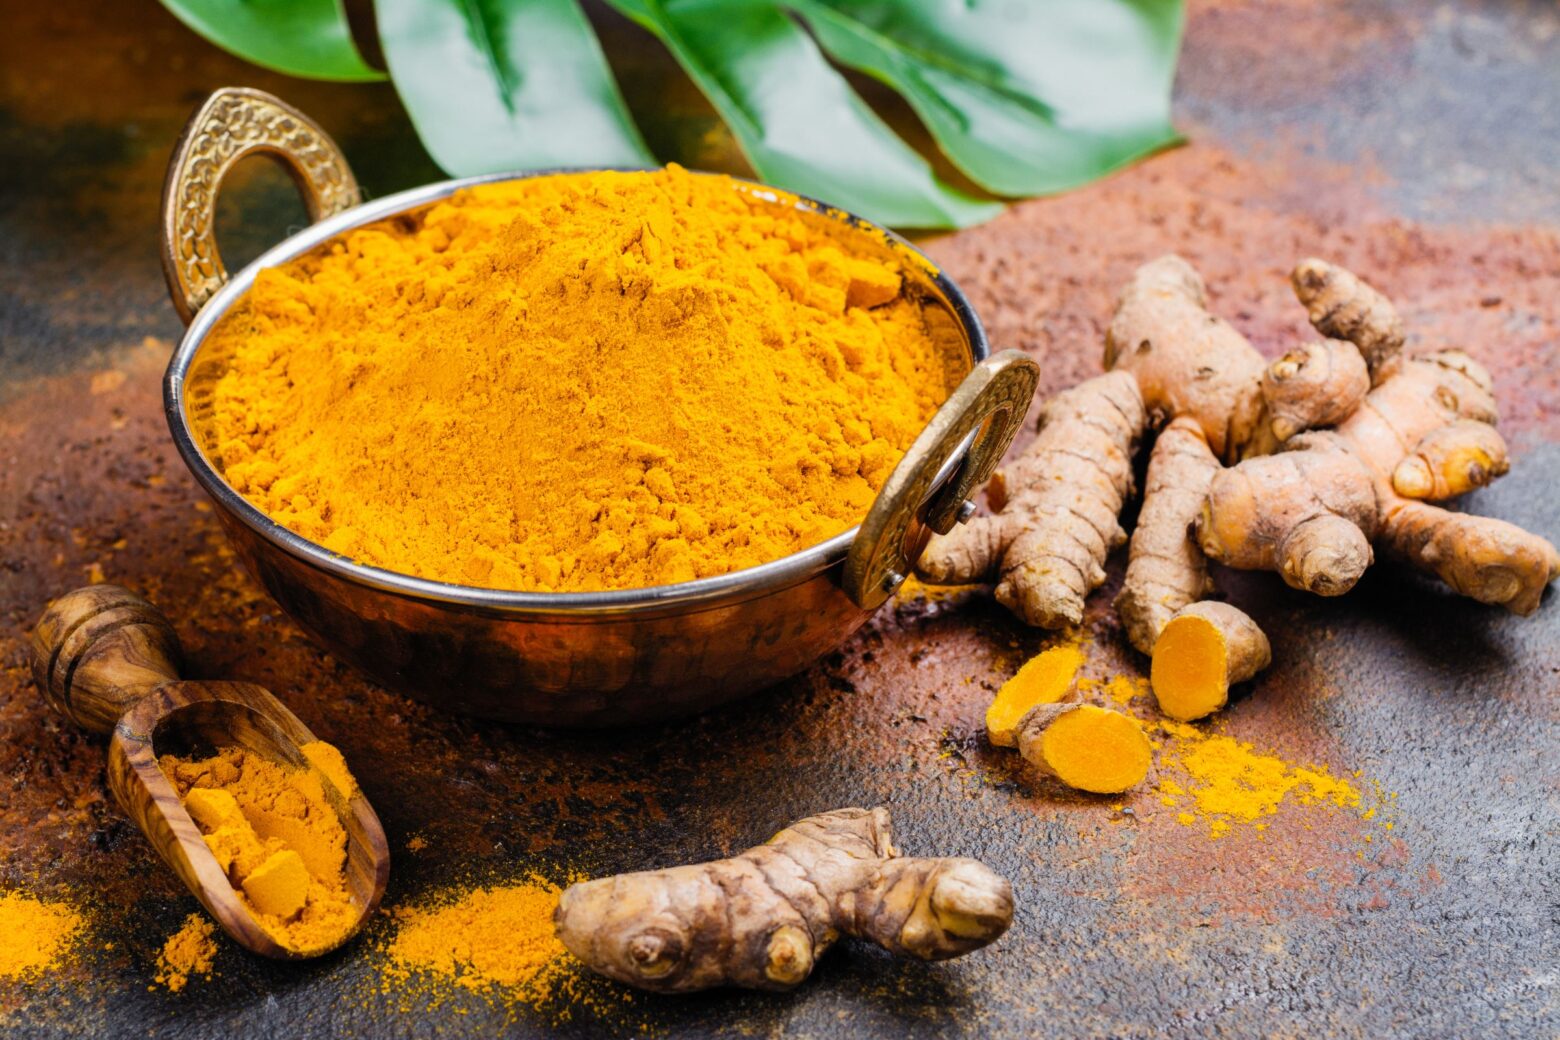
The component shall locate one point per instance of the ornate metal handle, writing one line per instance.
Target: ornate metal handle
(993, 399)
(236, 122)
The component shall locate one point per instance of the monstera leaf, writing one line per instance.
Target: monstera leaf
(497, 86)
(1023, 96)
(300, 37)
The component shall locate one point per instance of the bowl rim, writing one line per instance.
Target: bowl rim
(733, 586)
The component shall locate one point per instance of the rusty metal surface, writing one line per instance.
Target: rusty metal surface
(1354, 131)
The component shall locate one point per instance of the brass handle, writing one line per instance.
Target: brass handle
(993, 399)
(236, 122)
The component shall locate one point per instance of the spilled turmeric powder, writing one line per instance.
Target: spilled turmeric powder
(189, 952)
(34, 934)
(578, 382)
(1204, 777)
(1120, 689)
(493, 936)
(496, 942)
(273, 830)
(1224, 781)
(913, 589)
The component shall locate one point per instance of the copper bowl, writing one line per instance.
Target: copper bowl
(557, 659)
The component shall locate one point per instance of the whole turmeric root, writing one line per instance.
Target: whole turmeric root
(1166, 569)
(1057, 505)
(761, 919)
(1188, 361)
(1426, 431)
(1171, 358)
(1342, 306)
(1318, 384)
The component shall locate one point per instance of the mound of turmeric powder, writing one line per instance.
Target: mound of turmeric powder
(273, 830)
(188, 953)
(34, 934)
(500, 935)
(577, 382)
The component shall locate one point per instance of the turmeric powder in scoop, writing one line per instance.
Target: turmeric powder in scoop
(578, 382)
(276, 836)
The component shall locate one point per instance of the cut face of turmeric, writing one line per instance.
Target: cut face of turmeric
(275, 834)
(1189, 673)
(1086, 747)
(1202, 652)
(1043, 679)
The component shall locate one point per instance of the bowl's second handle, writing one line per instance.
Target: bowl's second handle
(232, 124)
(993, 400)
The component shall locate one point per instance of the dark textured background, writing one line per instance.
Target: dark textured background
(1418, 143)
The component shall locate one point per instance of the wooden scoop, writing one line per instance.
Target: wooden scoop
(108, 660)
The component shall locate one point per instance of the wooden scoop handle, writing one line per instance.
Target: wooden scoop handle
(99, 650)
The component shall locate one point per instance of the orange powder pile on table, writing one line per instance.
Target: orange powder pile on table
(273, 830)
(494, 936)
(1226, 782)
(498, 943)
(577, 382)
(34, 934)
(188, 952)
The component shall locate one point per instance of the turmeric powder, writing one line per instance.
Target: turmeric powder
(577, 382)
(34, 934)
(490, 936)
(1227, 782)
(273, 830)
(328, 760)
(497, 942)
(190, 951)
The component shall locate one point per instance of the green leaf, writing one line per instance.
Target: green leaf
(797, 120)
(1025, 97)
(498, 85)
(299, 37)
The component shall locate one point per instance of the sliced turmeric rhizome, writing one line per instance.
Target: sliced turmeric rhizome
(1088, 748)
(1044, 679)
